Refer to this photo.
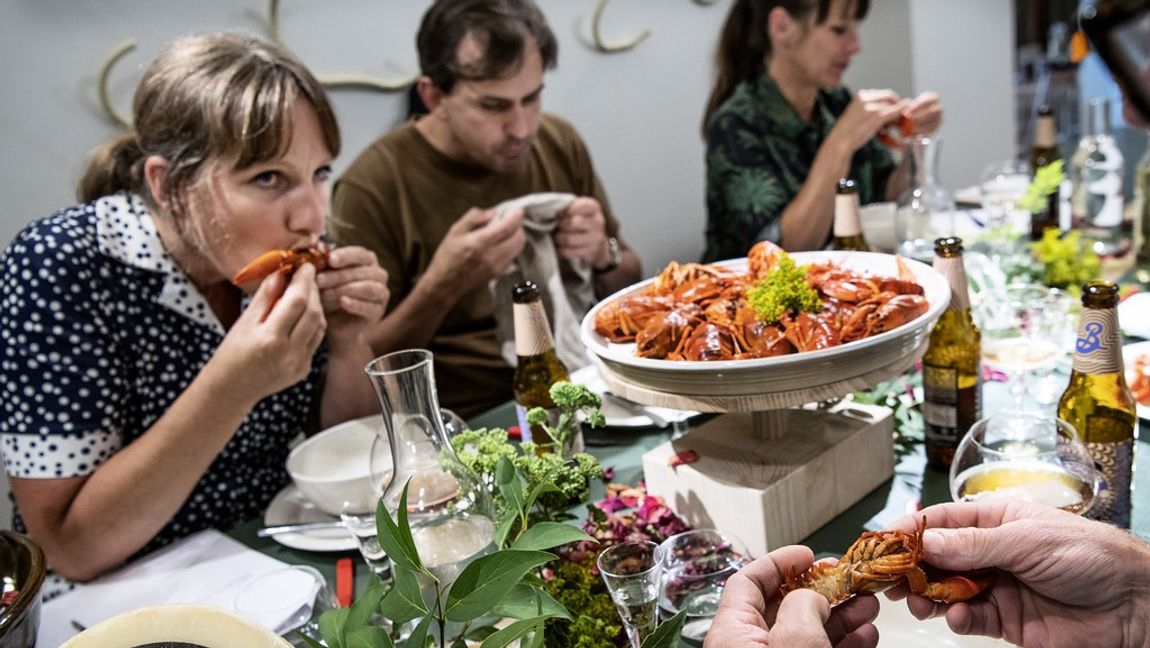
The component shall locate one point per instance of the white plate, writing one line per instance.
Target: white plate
(794, 374)
(290, 507)
(1134, 315)
(897, 628)
(1129, 353)
(616, 416)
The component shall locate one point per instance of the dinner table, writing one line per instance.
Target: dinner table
(914, 485)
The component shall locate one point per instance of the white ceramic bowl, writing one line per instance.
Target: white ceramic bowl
(333, 468)
(780, 381)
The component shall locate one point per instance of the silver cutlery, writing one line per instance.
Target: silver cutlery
(295, 528)
(635, 409)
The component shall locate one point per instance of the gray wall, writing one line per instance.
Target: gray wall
(639, 111)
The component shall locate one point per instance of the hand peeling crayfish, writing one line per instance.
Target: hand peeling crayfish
(879, 560)
(896, 135)
(286, 261)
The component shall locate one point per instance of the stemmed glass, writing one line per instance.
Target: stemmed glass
(696, 566)
(631, 571)
(1024, 456)
(1001, 185)
(1021, 328)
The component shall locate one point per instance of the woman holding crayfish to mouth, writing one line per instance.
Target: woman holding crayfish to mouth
(146, 396)
(781, 129)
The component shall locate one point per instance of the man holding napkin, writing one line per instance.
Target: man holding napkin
(482, 190)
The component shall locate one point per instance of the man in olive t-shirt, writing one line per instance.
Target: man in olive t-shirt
(421, 196)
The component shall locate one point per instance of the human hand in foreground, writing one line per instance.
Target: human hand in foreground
(752, 613)
(582, 233)
(1062, 580)
(353, 291)
(479, 247)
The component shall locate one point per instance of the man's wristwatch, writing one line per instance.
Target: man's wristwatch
(616, 256)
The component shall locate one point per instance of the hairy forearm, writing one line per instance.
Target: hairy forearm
(414, 320)
(116, 510)
(808, 217)
(627, 273)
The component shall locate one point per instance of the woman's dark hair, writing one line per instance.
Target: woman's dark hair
(745, 42)
(503, 27)
(214, 98)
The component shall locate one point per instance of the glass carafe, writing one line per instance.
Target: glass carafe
(449, 514)
(1096, 197)
(925, 209)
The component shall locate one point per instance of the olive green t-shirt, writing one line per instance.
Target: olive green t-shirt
(399, 198)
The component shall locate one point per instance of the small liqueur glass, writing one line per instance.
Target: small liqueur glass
(696, 566)
(631, 571)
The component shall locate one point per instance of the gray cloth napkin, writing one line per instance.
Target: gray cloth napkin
(567, 287)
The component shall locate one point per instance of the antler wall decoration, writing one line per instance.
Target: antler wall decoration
(611, 48)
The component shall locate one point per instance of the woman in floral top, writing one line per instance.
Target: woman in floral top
(146, 397)
(781, 130)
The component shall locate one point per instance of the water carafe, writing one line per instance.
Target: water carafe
(1096, 197)
(925, 209)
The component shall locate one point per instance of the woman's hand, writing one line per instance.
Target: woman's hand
(925, 111)
(270, 346)
(353, 291)
(1063, 580)
(752, 613)
(869, 112)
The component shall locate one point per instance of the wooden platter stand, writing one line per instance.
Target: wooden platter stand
(768, 472)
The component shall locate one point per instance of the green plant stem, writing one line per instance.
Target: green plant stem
(439, 617)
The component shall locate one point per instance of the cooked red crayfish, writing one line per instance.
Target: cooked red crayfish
(1139, 379)
(693, 312)
(879, 560)
(896, 135)
(286, 261)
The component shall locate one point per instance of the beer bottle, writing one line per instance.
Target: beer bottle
(1098, 403)
(538, 365)
(951, 368)
(1045, 152)
(848, 233)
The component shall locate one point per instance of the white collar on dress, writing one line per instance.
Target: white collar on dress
(126, 232)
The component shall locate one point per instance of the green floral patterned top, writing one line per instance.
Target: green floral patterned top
(759, 152)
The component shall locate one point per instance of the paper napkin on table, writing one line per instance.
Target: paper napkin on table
(207, 567)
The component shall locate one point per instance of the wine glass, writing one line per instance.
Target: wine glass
(1001, 185)
(631, 572)
(696, 566)
(1024, 456)
(1021, 330)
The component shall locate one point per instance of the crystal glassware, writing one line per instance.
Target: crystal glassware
(696, 566)
(925, 210)
(1024, 456)
(631, 571)
(450, 515)
(1023, 330)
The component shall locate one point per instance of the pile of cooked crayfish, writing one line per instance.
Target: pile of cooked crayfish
(693, 311)
(879, 560)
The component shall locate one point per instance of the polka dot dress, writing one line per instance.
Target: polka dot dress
(99, 333)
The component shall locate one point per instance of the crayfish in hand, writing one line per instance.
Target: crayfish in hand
(286, 261)
(879, 560)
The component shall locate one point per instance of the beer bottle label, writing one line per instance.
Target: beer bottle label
(1114, 462)
(1098, 348)
(955, 273)
(847, 221)
(948, 410)
(532, 331)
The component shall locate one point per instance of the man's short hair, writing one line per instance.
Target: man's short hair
(503, 27)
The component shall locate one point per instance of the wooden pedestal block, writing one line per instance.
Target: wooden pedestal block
(772, 478)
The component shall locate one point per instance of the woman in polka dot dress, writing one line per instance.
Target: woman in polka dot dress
(144, 397)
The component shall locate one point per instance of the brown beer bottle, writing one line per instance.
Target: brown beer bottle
(1045, 152)
(1098, 403)
(952, 367)
(538, 364)
(848, 234)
